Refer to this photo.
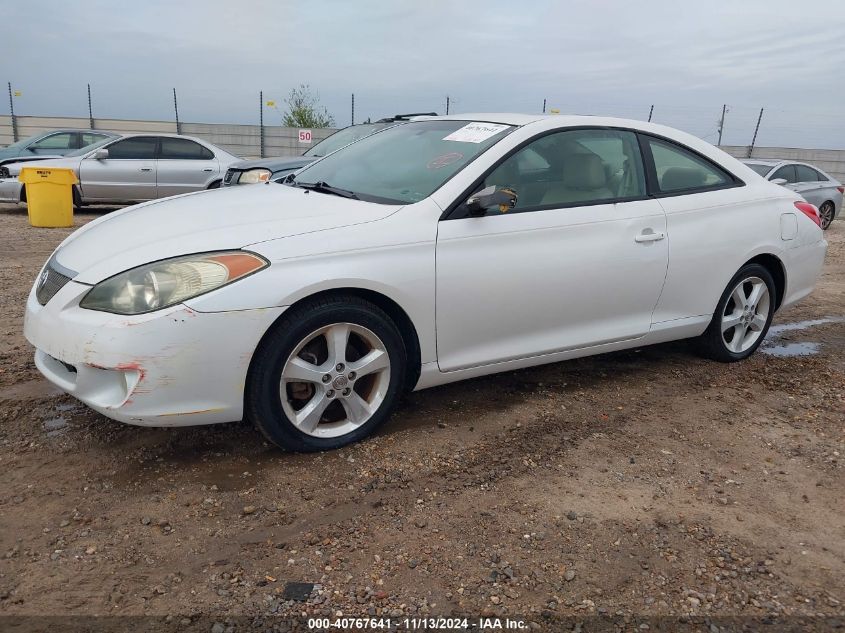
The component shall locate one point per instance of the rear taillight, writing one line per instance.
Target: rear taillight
(810, 211)
(841, 189)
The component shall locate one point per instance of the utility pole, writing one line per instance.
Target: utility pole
(722, 124)
(447, 104)
(261, 122)
(14, 120)
(176, 109)
(90, 113)
(353, 108)
(544, 106)
(650, 112)
(754, 139)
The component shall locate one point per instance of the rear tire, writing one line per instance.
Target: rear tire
(327, 374)
(214, 185)
(742, 316)
(826, 212)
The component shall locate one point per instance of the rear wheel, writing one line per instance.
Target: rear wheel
(327, 375)
(742, 316)
(214, 185)
(826, 212)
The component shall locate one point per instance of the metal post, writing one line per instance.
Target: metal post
(14, 120)
(722, 124)
(176, 109)
(754, 139)
(261, 122)
(447, 104)
(353, 108)
(90, 114)
(650, 112)
(544, 106)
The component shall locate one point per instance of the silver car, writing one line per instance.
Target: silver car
(812, 183)
(133, 168)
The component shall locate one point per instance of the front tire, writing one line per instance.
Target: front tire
(329, 373)
(742, 317)
(826, 212)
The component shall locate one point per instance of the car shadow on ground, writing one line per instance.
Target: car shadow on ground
(464, 403)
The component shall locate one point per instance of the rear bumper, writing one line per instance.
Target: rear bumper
(176, 367)
(803, 271)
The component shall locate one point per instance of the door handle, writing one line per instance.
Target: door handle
(208, 169)
(146, 168)
(649, 237)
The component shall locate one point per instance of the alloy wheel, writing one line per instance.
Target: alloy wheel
(745, 315)
(826, 214)
(335, 380)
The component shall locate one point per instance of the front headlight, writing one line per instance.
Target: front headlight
(254, 175)
(170, 281)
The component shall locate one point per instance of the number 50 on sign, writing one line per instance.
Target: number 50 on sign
(305, 136)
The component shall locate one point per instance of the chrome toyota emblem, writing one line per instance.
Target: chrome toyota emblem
(340, 382)
(43, 278)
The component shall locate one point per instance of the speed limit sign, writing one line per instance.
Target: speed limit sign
(305, 136)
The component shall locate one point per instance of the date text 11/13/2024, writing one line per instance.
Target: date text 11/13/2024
(417, 624)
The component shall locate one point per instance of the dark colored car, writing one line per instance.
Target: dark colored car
(249, 172)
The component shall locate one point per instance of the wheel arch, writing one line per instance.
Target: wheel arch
(397, 314)
(776, 269)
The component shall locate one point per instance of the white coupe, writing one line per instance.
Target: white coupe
(436, 250)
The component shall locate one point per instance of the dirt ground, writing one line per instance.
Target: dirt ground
(643, 483)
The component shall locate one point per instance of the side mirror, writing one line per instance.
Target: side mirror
(491, 198)
(778, 181)
(101, 154)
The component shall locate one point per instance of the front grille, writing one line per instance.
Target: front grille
(4, 172)
(49, 283)
(228, 177)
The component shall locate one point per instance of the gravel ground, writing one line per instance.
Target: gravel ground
(642, 483)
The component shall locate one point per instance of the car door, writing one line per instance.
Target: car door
(809, 186)
(183, 166)
(579, 261)
(787, 173)
(128, 174)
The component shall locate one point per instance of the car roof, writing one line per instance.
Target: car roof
(78, 129)
(507, 118)
(761, 161)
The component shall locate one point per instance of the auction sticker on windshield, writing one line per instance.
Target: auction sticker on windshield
(475, 132)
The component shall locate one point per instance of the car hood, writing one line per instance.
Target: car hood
(8, 161)
(273, 164)
(219, 219)
(58, 162)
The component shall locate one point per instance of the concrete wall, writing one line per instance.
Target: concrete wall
(240, 140)
(831, 161)
(244, 140)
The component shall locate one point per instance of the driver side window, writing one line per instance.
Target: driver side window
(573, 168)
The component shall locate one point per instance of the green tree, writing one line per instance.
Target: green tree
(304, 109)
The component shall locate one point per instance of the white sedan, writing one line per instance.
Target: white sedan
(438, 250)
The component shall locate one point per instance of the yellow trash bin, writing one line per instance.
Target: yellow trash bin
(49, 195)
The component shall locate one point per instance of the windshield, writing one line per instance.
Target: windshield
(344, 137)
(405, 163)
(760, 168)
(92, 146)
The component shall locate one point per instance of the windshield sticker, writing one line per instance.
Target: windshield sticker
(444, 159)
(475, 132)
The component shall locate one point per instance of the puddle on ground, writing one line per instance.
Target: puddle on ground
(801, 348)
(56, 426)
(792, 349)
(777, 330)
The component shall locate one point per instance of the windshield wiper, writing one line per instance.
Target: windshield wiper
(324, 187)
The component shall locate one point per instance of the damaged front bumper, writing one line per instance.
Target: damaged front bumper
(174, 367)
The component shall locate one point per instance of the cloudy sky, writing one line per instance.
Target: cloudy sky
(588, 57)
